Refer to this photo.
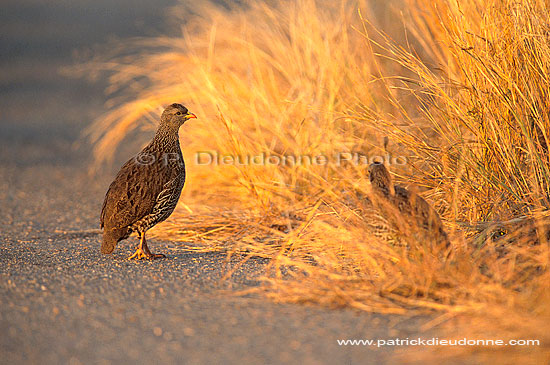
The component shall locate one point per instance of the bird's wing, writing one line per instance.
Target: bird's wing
(132, 195)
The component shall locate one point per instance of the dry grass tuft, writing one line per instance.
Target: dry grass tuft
(464, 97)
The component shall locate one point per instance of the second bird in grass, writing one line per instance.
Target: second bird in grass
(147, 187)
(398, 202)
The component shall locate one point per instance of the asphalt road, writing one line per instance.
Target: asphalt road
(61, 301)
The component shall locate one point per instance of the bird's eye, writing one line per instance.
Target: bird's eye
(178, 113)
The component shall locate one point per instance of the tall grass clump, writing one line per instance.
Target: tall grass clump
(463, 97)
(483, 130)
(478, 136)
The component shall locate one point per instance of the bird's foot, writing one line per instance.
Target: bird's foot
(145, 255)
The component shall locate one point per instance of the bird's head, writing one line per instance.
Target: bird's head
(175, 115)
(380, 178)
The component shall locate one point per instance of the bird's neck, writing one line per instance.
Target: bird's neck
(166, 138)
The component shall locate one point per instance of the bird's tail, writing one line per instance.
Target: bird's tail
(111, 238)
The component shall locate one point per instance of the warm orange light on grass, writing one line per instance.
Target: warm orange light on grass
(314, 77)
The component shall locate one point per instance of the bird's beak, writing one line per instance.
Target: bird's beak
(191, 116)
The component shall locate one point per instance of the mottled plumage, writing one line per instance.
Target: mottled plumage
(147, 187)
(407, 203)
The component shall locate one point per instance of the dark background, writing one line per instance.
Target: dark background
(42, 112)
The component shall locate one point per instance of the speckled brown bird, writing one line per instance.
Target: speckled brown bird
(147, 187)
(407, 203)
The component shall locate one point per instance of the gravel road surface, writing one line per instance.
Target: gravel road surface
(61, 301)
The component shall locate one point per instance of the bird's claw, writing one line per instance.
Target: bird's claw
(145, 255)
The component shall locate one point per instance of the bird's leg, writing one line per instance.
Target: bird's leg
(142, 251)
(149, 254)
(139, 254)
